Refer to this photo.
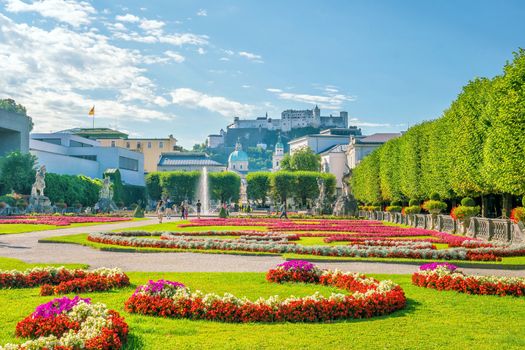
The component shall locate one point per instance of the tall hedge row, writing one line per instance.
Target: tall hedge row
(476, 147)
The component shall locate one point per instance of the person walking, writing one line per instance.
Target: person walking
(169, 206)
(160, 210)
(186, 211)
(182, 215)
(284, 214)
(199, 206)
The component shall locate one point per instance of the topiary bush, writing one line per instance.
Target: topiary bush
(523, 201)
(223, 213)
(468, 202)
(413, 202)
(435, 196)
(434, 206)
(413, 209)
(394, 208)
(396, 203)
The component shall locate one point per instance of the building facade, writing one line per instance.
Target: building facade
(69, 154)
(333, 161)
(238, 160)
(324, 140)
(278, 155)
(360, 147)
(188, 161)
(151, 148)
(14, 132)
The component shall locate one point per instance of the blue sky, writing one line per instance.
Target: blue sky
(188, 67)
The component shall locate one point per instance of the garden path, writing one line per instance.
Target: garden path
(25, 246)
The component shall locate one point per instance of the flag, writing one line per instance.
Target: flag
(92, 111)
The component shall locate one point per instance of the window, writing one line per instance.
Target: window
(53, 141)
(112, 143)
(149, 144)
(161, 144)
(94, 158)
(139, 145)
(78, 144)
(128, 163)
(128, 145)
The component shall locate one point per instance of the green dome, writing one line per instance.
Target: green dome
(238, 156)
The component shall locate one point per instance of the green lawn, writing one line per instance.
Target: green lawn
(15, 264)
(432, 319)
(21, 228)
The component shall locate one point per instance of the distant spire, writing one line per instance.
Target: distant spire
(266, 115)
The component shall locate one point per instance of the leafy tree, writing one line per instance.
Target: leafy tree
(17, 172)
(153, 185)
(389, 170)
(303, 159)
(179, 185)
(410, 163)
(10, 105)
(225, 186)
(306, 189)
(282, 185)
(258, 186)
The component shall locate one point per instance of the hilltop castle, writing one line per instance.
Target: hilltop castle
(290, 119)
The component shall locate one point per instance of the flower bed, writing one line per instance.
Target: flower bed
(446, 277)
(280, 248)
(369, 297)
(59, 220)
(59, 280)
(65, 323)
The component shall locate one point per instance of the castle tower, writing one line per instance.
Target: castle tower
(344, 117)
(278, 155)
(317, 117)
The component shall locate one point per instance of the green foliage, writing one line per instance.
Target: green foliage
(307, 189)
(138, 212)
(413, 209)
(153, 185)
(303, 159)
(259, 158)
(365, 181)
(258, 186)
(434, 196)
(178, 185)
(17, 172)
(225, 186)
(133, 194)
(71, 189)
(410, 163)
(116, 185)
(223, 213)
(8, 200)
(434, 206)
(413, 202)
(465, 212)
(523, 201)
(282, 185)
(468, 202)
(10, 105)
(396, 203)
(394, 208)
(389, 173)
(330, 183)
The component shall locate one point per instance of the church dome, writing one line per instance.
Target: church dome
(238, 155)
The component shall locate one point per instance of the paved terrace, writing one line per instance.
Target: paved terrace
(25, 246)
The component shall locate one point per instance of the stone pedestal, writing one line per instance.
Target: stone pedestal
(106, 205)
(39, 204)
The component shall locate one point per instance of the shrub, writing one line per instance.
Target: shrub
(435, 196)
(518, 214)
(8, 200)
(61, 205)
(523, 201)
(464, 212)
(413, 209)
(434, 206)
(396, 203)
(223, 213)
(468, 202)
(413, 203)
(394, 208)
(138, 212)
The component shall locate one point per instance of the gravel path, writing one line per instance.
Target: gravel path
(25, 246)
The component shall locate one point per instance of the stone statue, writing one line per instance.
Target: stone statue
(105, 203)
(40, 182)
(244, 191)
(346, 205)
(38, 202)
(322, 205)
(106, 192)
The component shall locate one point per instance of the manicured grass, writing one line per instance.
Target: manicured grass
(432, 319)
(15, 264)
(21, 228)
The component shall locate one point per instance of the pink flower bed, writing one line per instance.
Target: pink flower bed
(58, 220)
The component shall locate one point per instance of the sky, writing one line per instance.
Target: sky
(154, 68)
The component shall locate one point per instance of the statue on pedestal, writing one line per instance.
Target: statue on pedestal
(346, 205)
(105, 203)
(322, 205)
(38, 203)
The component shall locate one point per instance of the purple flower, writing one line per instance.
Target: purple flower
(154, 287)
(297, 265)
(58, 306)
(434, 265)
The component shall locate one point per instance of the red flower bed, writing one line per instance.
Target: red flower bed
(442, 278)
(58, 220)
(369, 298)
(90, 283)
(62, 281)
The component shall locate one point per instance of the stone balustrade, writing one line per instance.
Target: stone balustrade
(500, 230)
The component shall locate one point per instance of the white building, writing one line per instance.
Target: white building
(215, 140)
(188, 161)
(360, 147)
(333, 161)
(69, 154)
(14, 132)
(320, 142)
(278, 155)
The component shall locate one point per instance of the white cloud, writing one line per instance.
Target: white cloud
(195, 99)
(246, 86)
(55, 73)
(224, 59)
(175, 56)
(229, 52)
(251, 56)
(331, 100)
(75, 13)
(180, 39)
(201, 51)
(358, 122)
(152, 26)
(128, 17)
(202, 12)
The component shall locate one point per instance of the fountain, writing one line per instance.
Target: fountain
(204, 193)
